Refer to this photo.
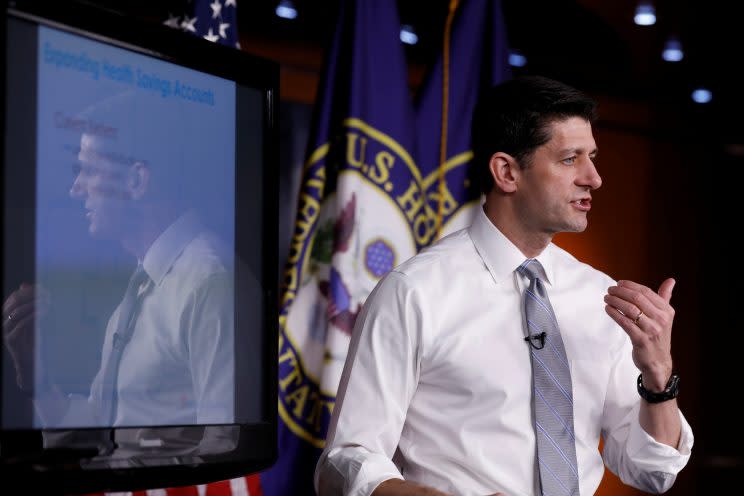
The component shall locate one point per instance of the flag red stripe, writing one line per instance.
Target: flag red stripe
(221, 488)
(254, 485)
(183, 491)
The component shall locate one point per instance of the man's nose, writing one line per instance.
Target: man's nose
(590, 176)
(77, 190)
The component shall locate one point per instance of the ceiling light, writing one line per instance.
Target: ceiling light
(408, 35)
(645, 14)
(673, 51)
(702, 95)
(517, 59)
(286, 9)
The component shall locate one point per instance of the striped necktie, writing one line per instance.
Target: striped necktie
(124, 327)
(552, 396)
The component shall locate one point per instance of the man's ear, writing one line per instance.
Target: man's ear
(504, 171)
(138, 180)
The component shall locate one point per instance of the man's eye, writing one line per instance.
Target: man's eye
(84, 170)
(569, 160)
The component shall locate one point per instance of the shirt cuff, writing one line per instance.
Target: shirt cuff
(354, 471)
(373, 482)
(653, 456)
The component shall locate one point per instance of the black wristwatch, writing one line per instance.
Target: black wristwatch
(671, 390)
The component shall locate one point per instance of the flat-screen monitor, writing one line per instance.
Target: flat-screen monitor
(139, 254)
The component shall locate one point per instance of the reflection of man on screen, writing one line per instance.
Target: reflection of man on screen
(167, 356)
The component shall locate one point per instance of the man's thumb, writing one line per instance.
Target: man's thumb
(665, 290)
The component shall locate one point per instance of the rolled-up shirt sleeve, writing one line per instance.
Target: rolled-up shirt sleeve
(379, 379)
(629, 451)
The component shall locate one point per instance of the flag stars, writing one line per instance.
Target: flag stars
(189, 24)
(379, 258)
(219, 27)
(223, 29)
(211, 36)
(173, 21)
(216, 9)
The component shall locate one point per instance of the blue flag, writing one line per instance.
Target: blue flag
(475, 57)
(383, 178)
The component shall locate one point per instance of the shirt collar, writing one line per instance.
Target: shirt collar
(168, 246)
(499, 254)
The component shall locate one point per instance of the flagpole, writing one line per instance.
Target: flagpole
(445, 113)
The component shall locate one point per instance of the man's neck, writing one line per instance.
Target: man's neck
(531, 244)
(153, 224)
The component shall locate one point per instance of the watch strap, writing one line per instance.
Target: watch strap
(671, 390)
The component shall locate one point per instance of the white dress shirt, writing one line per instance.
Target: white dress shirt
(178, 367)
(437, 385)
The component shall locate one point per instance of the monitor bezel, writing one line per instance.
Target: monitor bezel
(258, 441)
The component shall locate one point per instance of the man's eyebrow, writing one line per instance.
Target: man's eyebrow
(572, 150)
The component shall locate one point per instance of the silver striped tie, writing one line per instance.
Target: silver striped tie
(552, 396)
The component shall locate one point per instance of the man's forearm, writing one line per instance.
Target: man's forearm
(399, 487)
(661, 421)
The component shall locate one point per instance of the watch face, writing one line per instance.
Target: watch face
(670, 392)
(672, 388)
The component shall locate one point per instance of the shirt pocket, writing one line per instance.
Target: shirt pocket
(589, 379)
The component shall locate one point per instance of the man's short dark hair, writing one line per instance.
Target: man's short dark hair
(513, 117)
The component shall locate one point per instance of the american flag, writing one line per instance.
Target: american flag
(213, 20)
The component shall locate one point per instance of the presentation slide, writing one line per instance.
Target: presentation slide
(135, 220)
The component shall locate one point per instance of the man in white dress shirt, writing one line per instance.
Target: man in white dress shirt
(436, 397)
